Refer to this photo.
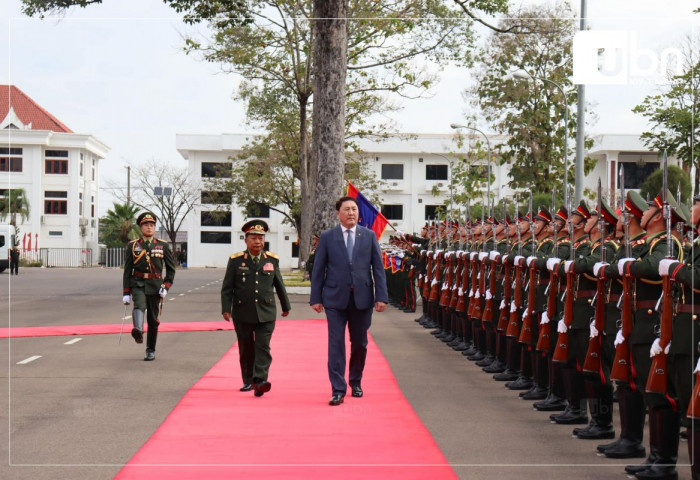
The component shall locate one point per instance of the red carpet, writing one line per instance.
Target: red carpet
(61, 330)
(217, 432)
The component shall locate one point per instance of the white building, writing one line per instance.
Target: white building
(412, 166)
(57, 168)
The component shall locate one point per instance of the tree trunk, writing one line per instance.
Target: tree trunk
(308, 175)
(328, 137)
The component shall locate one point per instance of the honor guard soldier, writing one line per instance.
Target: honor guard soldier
(247, 298)
(144, 282)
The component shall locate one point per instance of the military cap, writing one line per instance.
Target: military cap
(562, 213)
(520, 217)
(495, 221)
(582, 210)
(609, 216)
(543, 215)
(681, 214)
(696, 198)
(636, 204)
(256, 227)
(146, 217)
(507, 220)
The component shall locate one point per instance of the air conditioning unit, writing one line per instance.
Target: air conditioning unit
(83, 222)
(83, 231)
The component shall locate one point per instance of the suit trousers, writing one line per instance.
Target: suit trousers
(254, 349)
(358, 322)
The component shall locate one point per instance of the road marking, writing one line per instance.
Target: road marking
(30, 359)
(181, 295)
(71, 342)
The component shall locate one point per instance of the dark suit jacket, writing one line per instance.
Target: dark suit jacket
(333, 275)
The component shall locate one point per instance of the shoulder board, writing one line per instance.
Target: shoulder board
(236, 255)
(273, 255)
(562, 241)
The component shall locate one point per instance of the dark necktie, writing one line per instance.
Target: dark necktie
(350, 244)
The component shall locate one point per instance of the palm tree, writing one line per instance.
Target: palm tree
(14, 203)
(120, 222)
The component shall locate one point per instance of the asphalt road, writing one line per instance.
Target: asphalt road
(87, 404)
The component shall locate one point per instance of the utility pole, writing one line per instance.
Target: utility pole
(128, 185)
(580, 125)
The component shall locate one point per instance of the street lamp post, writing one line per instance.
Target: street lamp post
(523, 75)
(488, 146)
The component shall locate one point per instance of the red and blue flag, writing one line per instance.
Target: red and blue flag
(370, 216)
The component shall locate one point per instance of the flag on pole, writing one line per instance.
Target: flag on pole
(370, 216)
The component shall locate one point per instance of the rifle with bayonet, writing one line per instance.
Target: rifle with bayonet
(621, 368)
(593, 354)
(544, 341)
(513, 320)
(529, 316)
(561, 351)
(504, 313)
(657, 382)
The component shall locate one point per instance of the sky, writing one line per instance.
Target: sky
(118, 71)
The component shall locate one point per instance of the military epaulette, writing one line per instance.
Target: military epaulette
(579, 243)
(641, 241)
(237, 254)
(273, 255)
(562, 241)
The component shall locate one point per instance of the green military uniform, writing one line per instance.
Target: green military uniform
(247, 293)
(144, 281)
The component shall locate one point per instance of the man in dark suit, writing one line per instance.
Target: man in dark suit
(251, 279)
(348, 279)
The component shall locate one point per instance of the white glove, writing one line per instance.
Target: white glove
(525, 312)
(420, 275)
(488, 295)
(445, 286)
(459, 253)
(568, 265)
(493, 255)
(594, 331)
(598, 267)
(513, 308)
(503, 259)
(619, 339)
(460, 292)
(656, 348)
(518, 259)
(126, 299)
(438, 252)
(162, 292)
(697, 367)
(552, 263)
(545, 318)
(621, 264)
(503, 304)
(477, 294)
(433, 282)
(471, 293)
(561, 326)
(530, 260)
(401, 255)
(472, 255)
(665, 265)
(483, 255)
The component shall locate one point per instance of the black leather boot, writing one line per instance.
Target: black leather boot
(632, 416)
(600, 406)
(666, 444)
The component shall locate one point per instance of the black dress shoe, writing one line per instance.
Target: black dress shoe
(521, 383)
(632, 469)
(596, 432)
(626, 449)
(552, 403)
(572, 417)
(662, 470)
(150, 356)
(247, 387)
(357, 391)
(506, 376)
(336, 399)
(535, 393)
(604, 446)
(137, 334)
(496, 366)
(487, 360)
(262, 388)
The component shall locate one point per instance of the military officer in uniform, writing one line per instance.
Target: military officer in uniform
(144, 282)
(247, 298)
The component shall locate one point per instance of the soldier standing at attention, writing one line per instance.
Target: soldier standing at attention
(247, 299)
(14, 260)
(144, 283)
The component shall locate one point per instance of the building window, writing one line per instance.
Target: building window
(215, 237)
(80, 204)
(393, 212)
(10, 159)
(216, 219)
(637, 173)
(217, 198)
(56, 162)
(220, 170)
(55, 203)
(55, 233)
(295, 250)
(431, 211)
(392, 171)
(257, 210)
(81, 168)
(93, 169)
(436, 172)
